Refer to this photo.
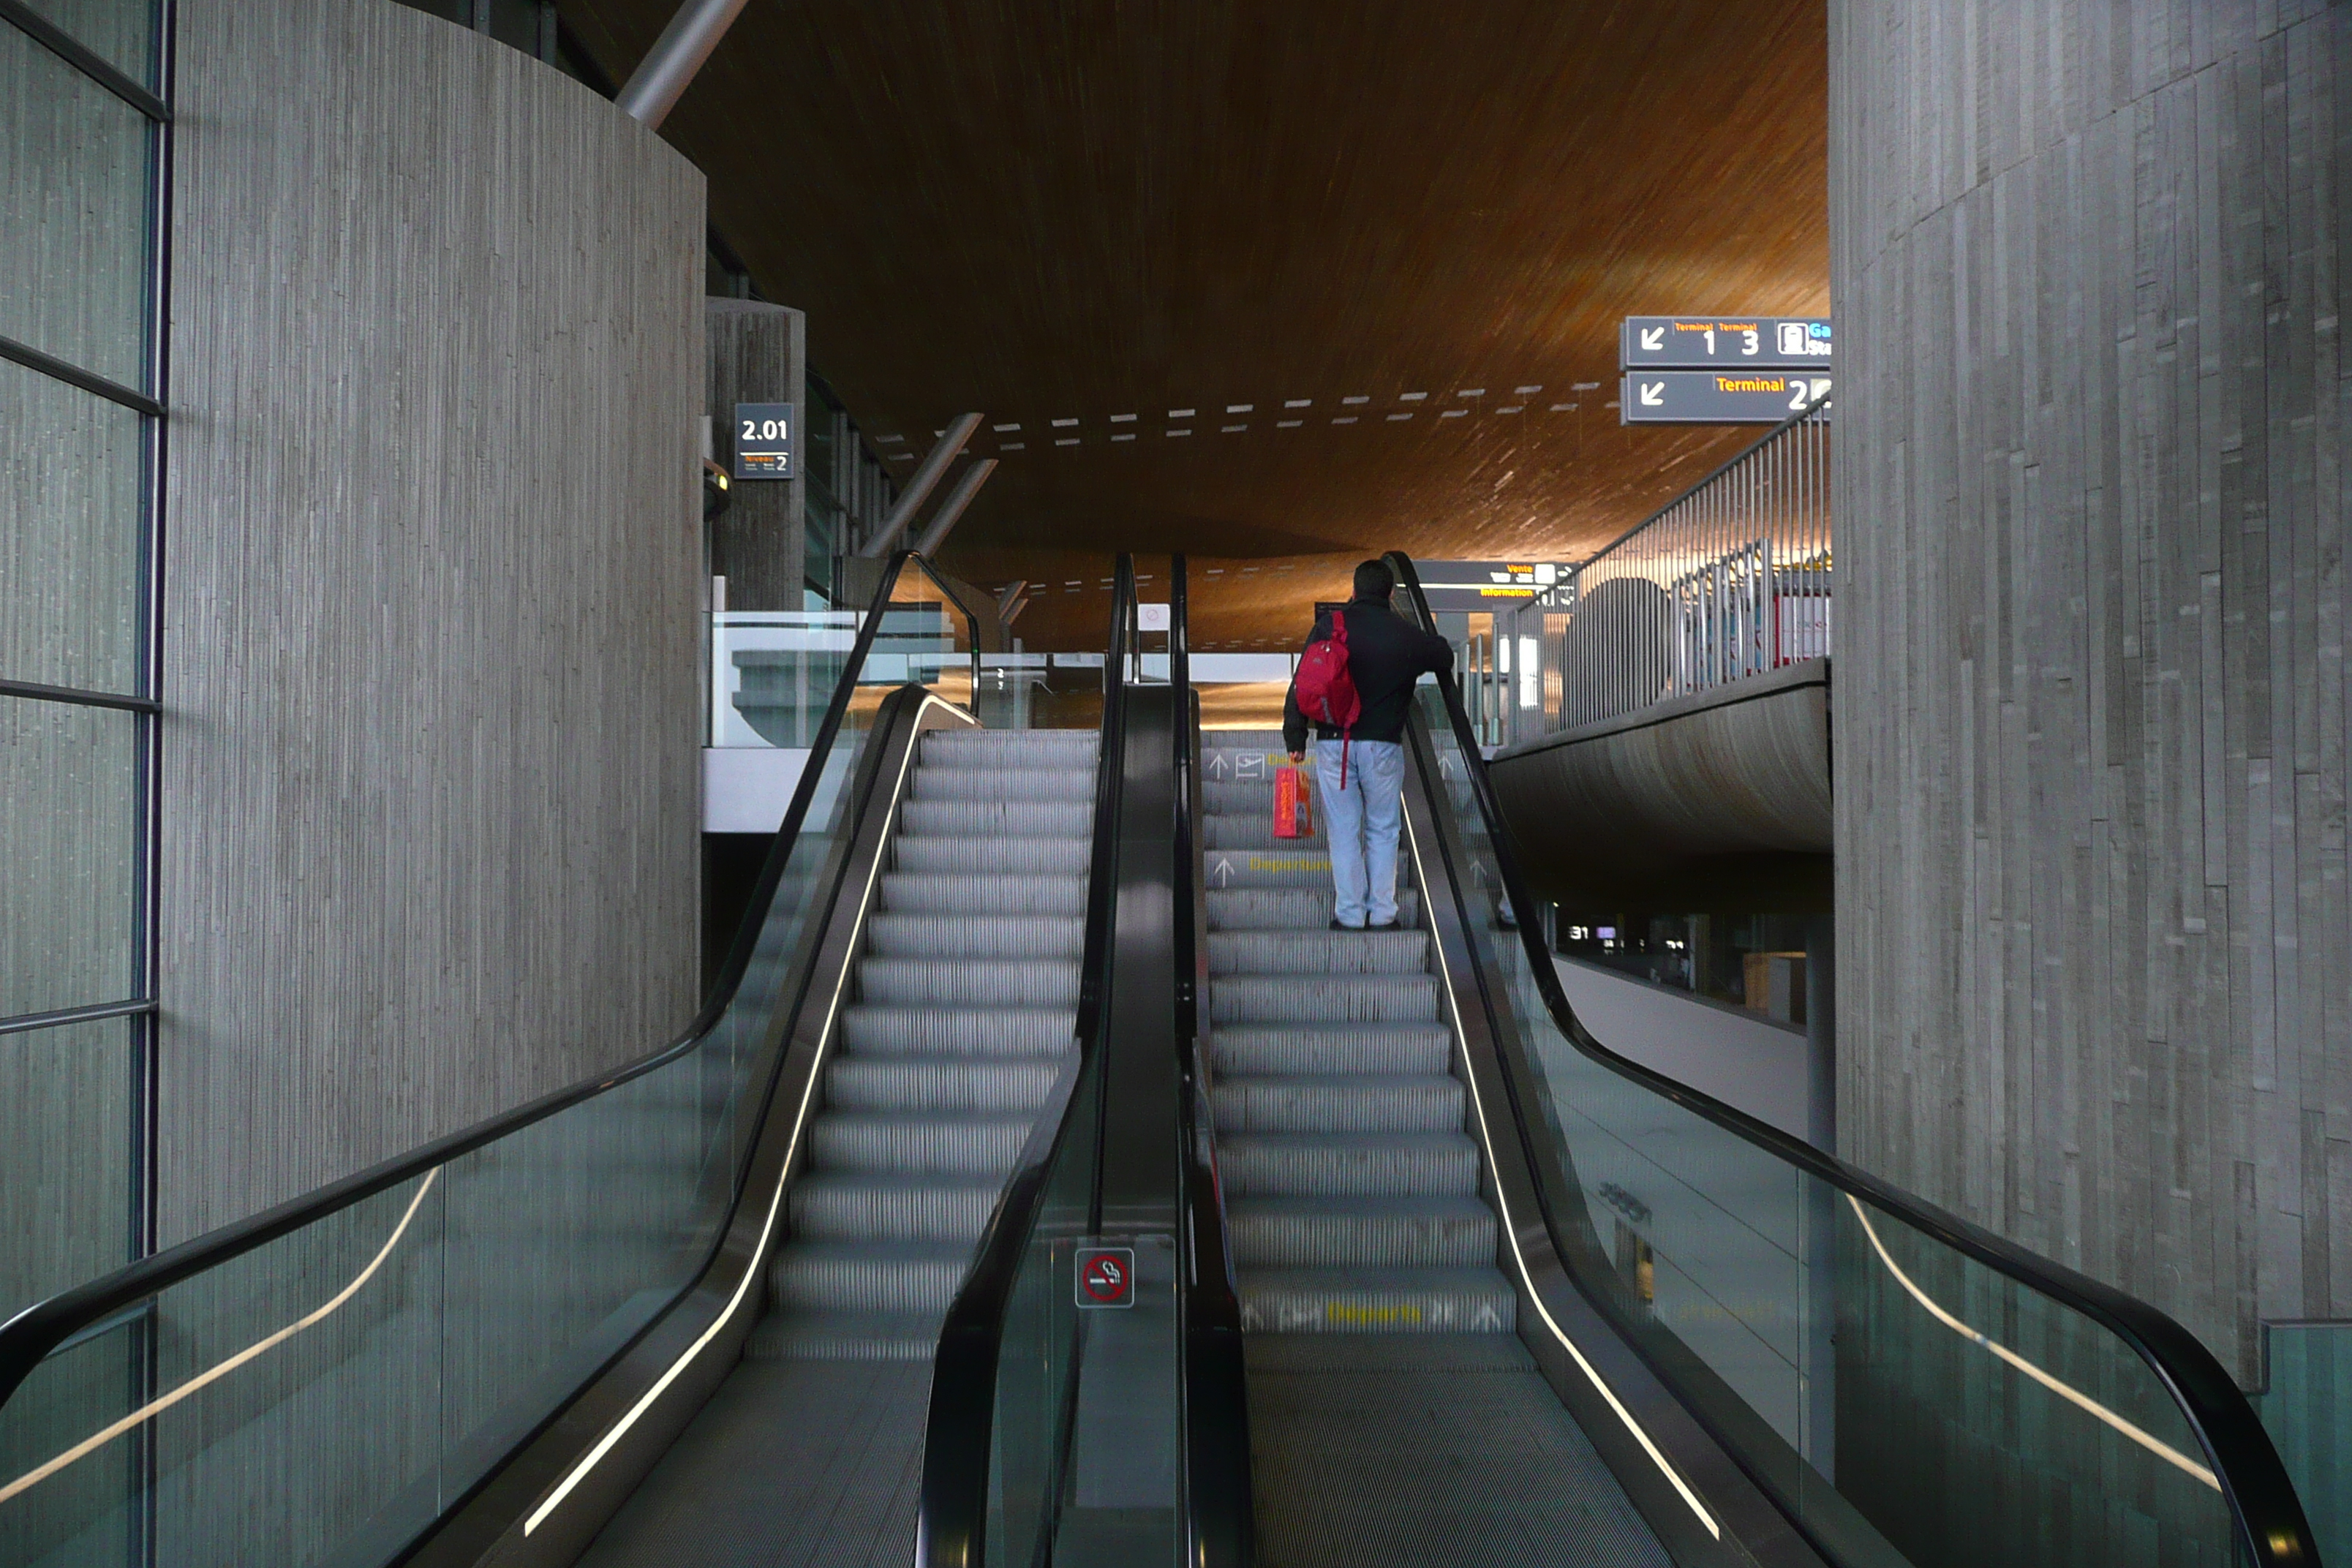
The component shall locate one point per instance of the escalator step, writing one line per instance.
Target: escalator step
(1340, 1102)
(1290, 908)
(1062, 784)
(1255, 831)
(1377, 1301)
(869, 1276)
(1367, 998)
(1363, 1233)
(1267, 1165)
(1030, 893)
(925, 982)
(944, 936)
(1024, 857)
(1238, 952)
(998, 819)
(1242, 1049)
(961, 1144)
(1010, 748)
(937, 1083)
(845, 1336)
(975, 1032)
(891, 1206)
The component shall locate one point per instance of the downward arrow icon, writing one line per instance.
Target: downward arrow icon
(1653, 394)
(1654, 338)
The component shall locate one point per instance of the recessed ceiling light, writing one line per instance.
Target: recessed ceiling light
(1229, 430)
(1345, 419)
(1561, 407)
(1611, 404)
(1013, 445)
(1400, 416)
(1299, 403)
(1514, 408)
(1126, 436)
(887, 440)
(1123, 418)
(1180, 432)
(938, 432)
(1288, 424)
(1453, 413)
(1182, 413)
(1586, 386)
(1412, 396)
(1527, 391)
(1471, 392)
(1004, 426)
(1064, 423)
(1065, 441)
(1241, 407)
(1355, 400)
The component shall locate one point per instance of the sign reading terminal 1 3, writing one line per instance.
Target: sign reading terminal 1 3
(1669, 343)
(1717, 396)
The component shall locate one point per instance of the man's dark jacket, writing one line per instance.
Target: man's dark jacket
(1386, 655)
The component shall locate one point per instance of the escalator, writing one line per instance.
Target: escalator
(685, 1311)
(1507, 1297)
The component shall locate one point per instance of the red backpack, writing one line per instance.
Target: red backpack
(1326, 692)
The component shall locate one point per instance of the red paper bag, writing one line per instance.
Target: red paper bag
(1293, 817)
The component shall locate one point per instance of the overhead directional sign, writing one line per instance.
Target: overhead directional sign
(1483, 584)
(1667, 342)
(1716, 397)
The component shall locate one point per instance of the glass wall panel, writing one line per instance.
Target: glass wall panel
(122, 32)
(74, 199)
(66, 1113)
(72, 474)
(69, 856)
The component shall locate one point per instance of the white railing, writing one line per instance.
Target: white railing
(1730, 578)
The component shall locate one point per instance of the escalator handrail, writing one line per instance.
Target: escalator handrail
(2254, 1480)
(951, 1512)
(29, 1336)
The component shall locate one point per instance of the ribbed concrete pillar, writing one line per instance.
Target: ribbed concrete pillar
(2095, 977)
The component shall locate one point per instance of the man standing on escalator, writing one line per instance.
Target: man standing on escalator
(1359, 768)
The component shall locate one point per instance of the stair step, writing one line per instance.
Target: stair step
(891, 1207)
(1352, 998)
(1377, 1301)
(1009, 982)
(939, 1083)
(1064, 856)
(869, 1276)
(1008, 783)
(845, 1336)
(1325, 951)
(1290, 908)
(1030, 893)
(998, 819)
(966, 936)
(1278, 1164)
(974, 1032)
(1339, 1102)
(1247, 1050)
(947, 1145)
(1362, 1233)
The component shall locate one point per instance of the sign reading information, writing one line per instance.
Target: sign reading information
(764, 440)
(1716, 396)
(1691, 342)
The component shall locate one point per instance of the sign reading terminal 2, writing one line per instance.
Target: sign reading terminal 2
(1718, 397)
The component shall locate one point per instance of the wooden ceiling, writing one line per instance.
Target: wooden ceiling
(1202, 212)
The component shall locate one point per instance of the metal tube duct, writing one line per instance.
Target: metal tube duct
(662, 76)
(951, 509)
(918, 486)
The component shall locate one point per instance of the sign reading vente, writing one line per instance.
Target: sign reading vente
(764, 440)
(1717, 396)
(1669, 343)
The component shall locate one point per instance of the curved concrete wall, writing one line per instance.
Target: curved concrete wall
(1714, 801)
(432, 576)
(2094, 936)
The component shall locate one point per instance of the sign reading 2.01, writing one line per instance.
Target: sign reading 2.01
(1699, 343)
(764, 440)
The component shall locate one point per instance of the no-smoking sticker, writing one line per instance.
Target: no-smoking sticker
(1106, 1276)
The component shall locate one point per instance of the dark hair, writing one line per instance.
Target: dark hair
(1374, 580)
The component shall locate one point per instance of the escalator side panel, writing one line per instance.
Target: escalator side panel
(551, 1499)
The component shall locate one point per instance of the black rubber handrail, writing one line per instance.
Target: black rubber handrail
(2254, 1483)
(1220, 1511)
(951, 1517)
(31, 1334)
